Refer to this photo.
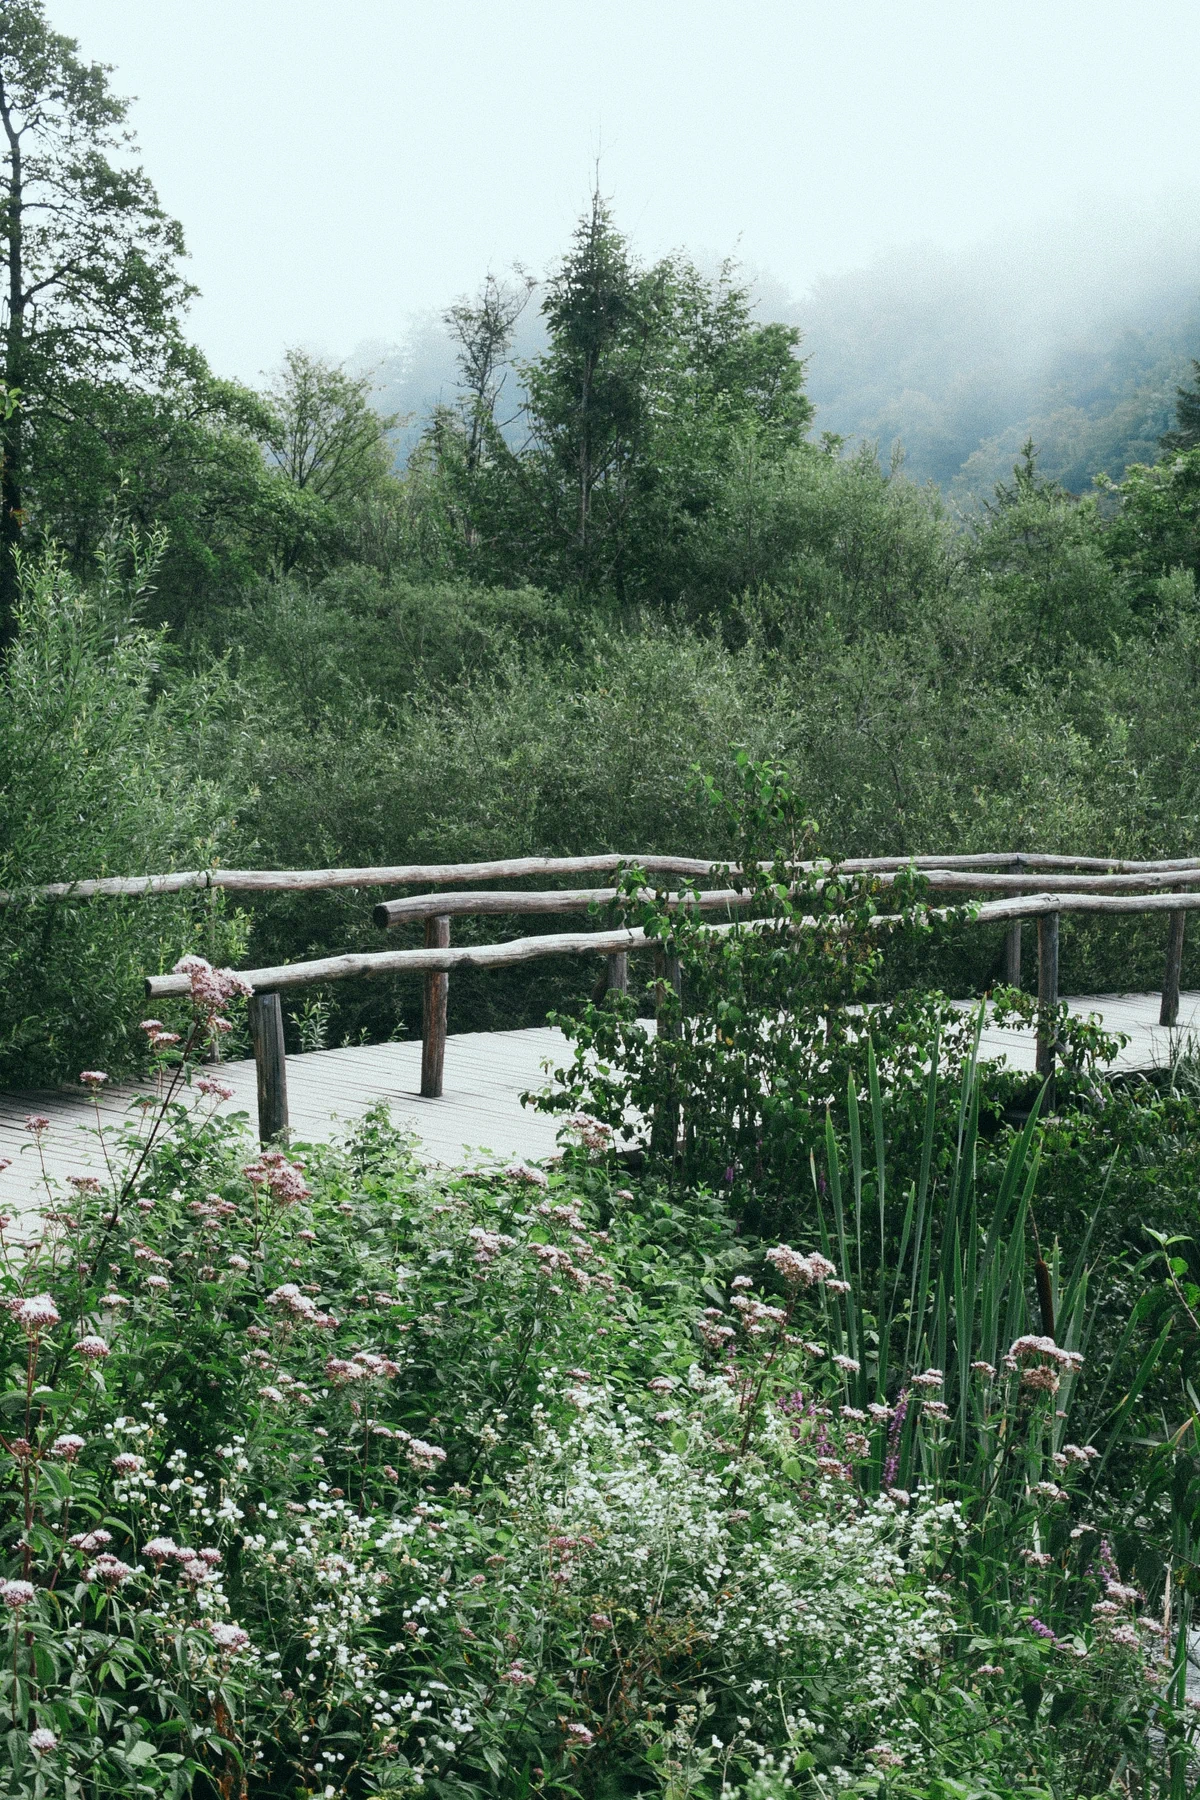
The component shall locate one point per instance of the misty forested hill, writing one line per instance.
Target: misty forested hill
(1076, 335)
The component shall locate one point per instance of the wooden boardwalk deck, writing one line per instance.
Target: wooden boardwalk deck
(480, 1114)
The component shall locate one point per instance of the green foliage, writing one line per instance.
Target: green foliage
(325, 1473)
(97, 783)
(91, 260)
(1042, 555)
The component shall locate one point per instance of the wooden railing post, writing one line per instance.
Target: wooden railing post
(618, 973)
(1168, 1013)
(1047, 993)
(668, 974)
(433, 1019)
(1012, 955)
(270, 1065)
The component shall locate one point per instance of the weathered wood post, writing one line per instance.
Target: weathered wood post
(270, 1065)
(1168, 1013)
(618, 973)
(433, 1018)
(1012, 955)
(1047, 996)
(668, 975)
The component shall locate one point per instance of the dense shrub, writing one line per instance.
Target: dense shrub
(100, 779)
(324, 1475)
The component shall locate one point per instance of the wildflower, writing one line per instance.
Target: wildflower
(878, 1412)
(1126, 1636)
(127, 1463)
(518, 1675)
(1042, 1379)
(84, 1184)
(853, 1412)
(272, 1394)
(741, 1281)
(93, 1078)
(990, 1669)
(92, 1349)
(283, 1179)
(520, 1171)
(1037, 1559)
(89, 1541)
(593, 1135)
(210, 1556)
(229, 1637)
(800, 1271)
(68, 1446)
(837, 1287)
(212, 989)
(884, 1757)
(159, 1283)
(581, 1735)
(623, 1194)
(238, 1262)
(936, 1409)
(109, 1570)
(1042, 1631)
(215, 1090)
(160, 1550)
(932, 1378)
(288, 1298)
(1118, 1590)
(984, 1368)
(150, 1025)
(846, 1364)
(37, 1123)
(36, 1313)
(422, 1456)
(16, 1594)
(42, 1740)
(601, 1621)
(661, 1384)
(1050, 1490)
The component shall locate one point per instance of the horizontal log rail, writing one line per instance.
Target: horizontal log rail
(1001, 885)
(594, 943)
(278, 881)
(416, 907)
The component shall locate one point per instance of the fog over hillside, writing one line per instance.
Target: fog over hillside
(1074, 330)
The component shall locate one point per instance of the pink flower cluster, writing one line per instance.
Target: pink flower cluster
(489, 1244)
(211, 989)
(160, 1038)
(283, 1179)
(362, 1366)
(800, 1271)
(37, 1313)
(1042, 1362)
(289, 1299)
(594, 1136)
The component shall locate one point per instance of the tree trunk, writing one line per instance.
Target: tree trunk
(12, 428)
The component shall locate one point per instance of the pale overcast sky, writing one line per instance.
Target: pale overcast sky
(339, 167)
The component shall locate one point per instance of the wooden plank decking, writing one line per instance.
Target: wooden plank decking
(480, 1114)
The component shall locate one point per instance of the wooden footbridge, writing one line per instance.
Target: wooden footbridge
(462, 1095)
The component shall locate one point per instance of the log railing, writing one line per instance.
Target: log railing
(1002, 882)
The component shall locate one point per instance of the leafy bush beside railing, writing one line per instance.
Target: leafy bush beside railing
(323, 1475)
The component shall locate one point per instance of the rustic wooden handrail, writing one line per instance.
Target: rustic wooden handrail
(1062, 886)
(274, 881)
(586, 943)
(492, 901)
